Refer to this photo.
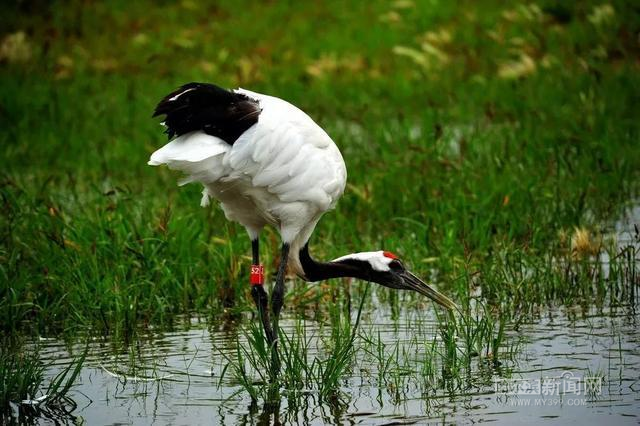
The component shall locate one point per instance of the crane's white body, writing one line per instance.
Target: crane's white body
(284, 171)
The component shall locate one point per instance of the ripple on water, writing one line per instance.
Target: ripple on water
(122, 386)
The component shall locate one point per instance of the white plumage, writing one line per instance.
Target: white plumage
(283, 171)
(379, 260)
(269, 163)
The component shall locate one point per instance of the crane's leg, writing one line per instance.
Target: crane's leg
(259, 295)
(277, 299)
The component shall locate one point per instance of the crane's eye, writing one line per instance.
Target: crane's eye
(396, 265)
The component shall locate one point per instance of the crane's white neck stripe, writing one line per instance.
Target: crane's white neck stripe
(378, 260)
(174, 98)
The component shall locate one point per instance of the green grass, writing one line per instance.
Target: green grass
(22, 378)
(467, 352)
(479, 138)
(298, 373)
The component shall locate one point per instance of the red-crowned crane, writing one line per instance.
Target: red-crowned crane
(269, 163)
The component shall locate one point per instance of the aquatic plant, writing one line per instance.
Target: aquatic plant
(22, 381)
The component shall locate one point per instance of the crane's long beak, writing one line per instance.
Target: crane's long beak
(415, 283)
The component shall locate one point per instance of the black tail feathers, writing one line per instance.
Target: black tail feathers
(207, 107)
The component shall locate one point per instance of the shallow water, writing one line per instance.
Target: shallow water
(177, 376)
(173, 377)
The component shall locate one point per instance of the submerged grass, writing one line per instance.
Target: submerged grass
(22, 377)
(299, 371)
(452, 355)
(456, 353)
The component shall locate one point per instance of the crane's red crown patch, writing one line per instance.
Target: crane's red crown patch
(389, 255)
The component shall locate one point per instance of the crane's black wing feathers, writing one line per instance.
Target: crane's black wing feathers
(207, 107)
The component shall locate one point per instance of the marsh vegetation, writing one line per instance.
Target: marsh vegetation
(493, 146)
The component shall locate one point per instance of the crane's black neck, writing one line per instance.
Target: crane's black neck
(318, 271)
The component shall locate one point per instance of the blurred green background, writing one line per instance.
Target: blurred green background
(474, 132)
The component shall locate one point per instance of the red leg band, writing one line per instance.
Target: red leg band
(257, 275)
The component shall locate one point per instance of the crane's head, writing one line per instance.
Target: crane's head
(385, 268)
